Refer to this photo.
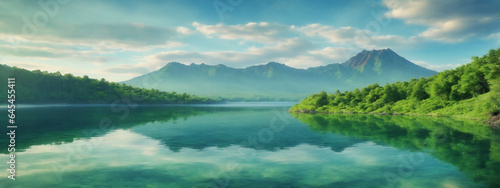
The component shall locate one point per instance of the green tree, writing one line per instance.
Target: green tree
(322, 99)
(419, 92)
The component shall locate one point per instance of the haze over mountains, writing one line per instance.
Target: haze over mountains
(274, 81)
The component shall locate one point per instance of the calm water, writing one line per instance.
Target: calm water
(246, 145)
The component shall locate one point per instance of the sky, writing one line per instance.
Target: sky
(119, 39)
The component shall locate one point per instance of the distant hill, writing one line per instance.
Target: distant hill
(274, 81)
(37, 87)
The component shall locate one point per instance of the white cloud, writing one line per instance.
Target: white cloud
(184, 30)
(334, 53)
(43, 67)
(289, 48)
(352, 37)
(132, 70)
(36, 52)
(116, 36)
(439, 68)
(494, 36)
(256, 32)
(133, 37)
(448, 20)
(295, 52)
(335, 35)
(301, 61)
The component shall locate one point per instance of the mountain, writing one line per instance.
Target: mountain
(372, 64)
(275, 81)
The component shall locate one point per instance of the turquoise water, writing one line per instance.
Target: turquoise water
(245, 145)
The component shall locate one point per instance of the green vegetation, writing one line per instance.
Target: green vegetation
(469, 91)
(36, 87)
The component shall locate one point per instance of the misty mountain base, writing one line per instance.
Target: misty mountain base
(469, 91)
(279, 82)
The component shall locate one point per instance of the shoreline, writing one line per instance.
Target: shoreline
(493, 121)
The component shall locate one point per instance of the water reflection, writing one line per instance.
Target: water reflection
(127, 158)
(210, 147)
(471, 146)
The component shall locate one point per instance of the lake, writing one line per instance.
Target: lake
(245, 145)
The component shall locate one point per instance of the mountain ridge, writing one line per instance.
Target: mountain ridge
(278, 81)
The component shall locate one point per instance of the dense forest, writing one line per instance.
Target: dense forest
(37, 87)
(471, 90)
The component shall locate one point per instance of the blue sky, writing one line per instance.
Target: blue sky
(118, 40)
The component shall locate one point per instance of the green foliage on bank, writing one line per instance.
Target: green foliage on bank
(471, 91)
(37, 87)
